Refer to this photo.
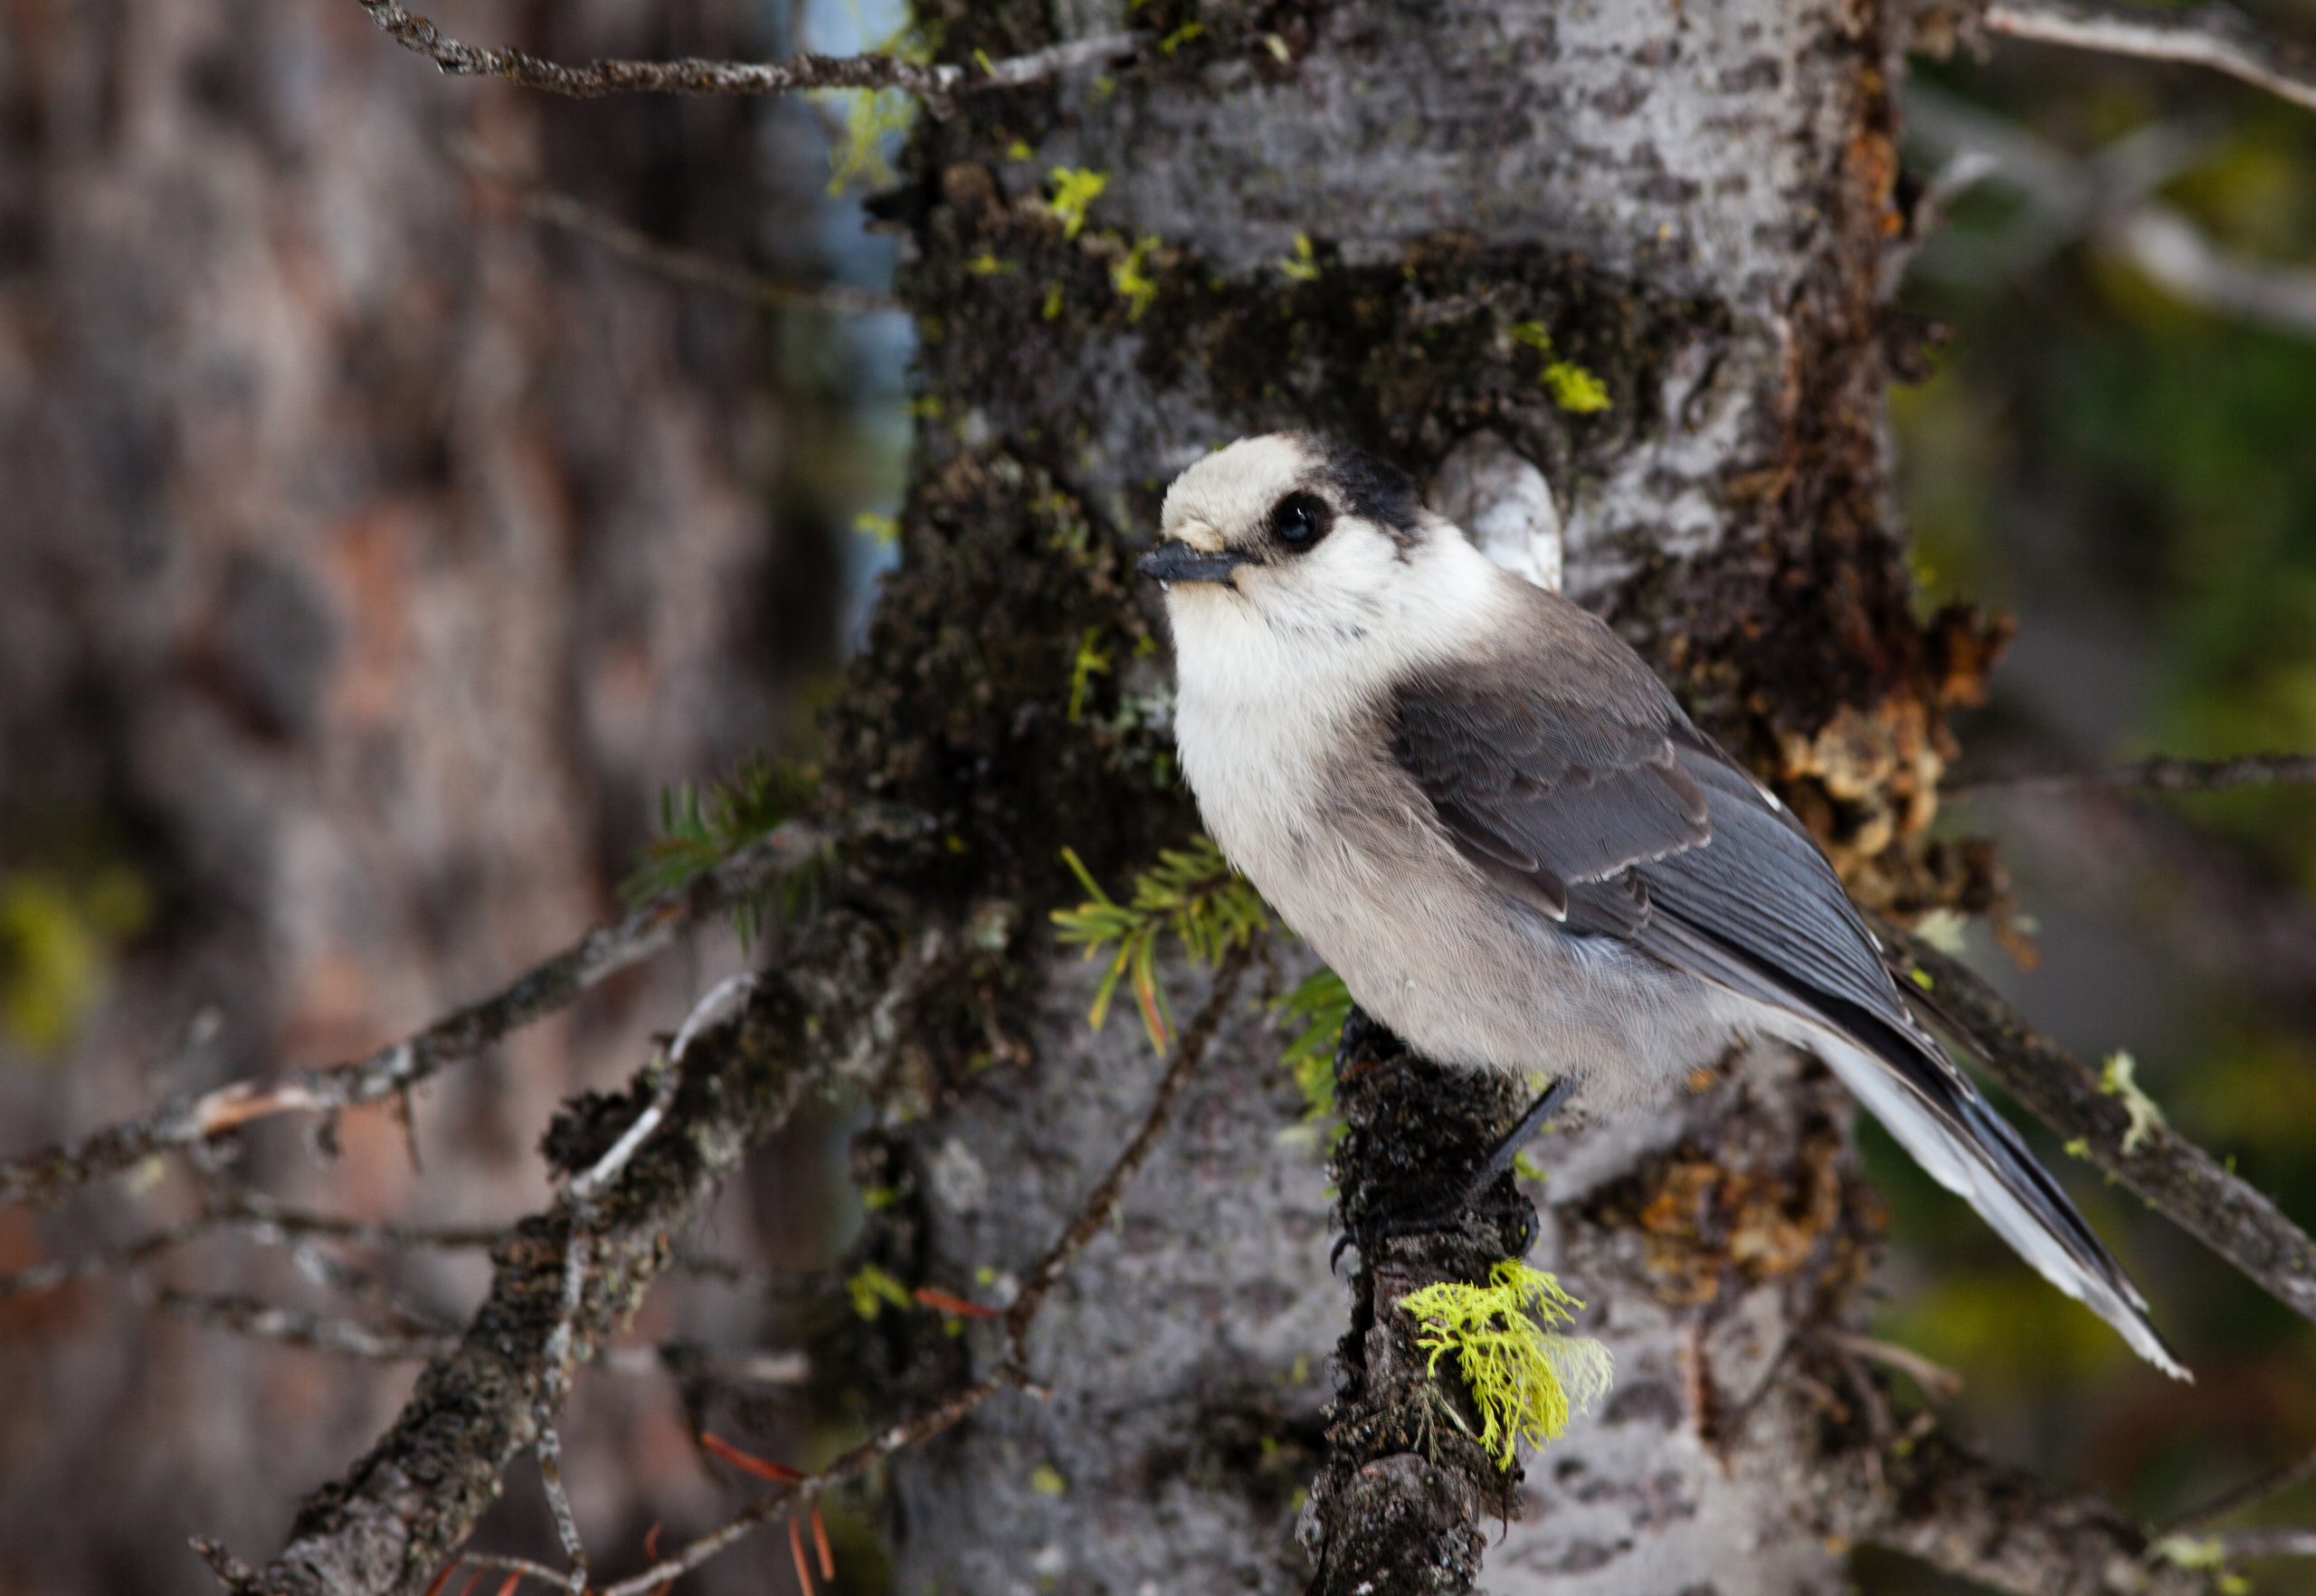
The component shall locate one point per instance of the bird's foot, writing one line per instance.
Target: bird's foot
(1431, 1207)
(1427, 1208)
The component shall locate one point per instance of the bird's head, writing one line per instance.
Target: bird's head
(1286, 551)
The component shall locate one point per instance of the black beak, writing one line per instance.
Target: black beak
(1178, 562)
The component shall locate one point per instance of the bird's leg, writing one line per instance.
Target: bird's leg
(1499, 1160)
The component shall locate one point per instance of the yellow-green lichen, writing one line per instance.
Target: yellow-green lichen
(1074, 190)
(1571, 386)
(58, 935)
(873, 1290)
(1132, 281)
(1527, 1381)
(2116, 1080)
(1092, 660)
(1575, 389)
(1302, 265)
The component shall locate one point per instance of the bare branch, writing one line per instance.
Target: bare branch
(543, 989)
(560, 210)
(2001, 1526)
(398, 1513)
(2107, 199)
(245, 1315)
(935, 81)
(2174, 252)
(2251, 1494)
(2216, 36)
(2164, 773)
(2269, 1542)
(558, 1501)
(2171, 1173)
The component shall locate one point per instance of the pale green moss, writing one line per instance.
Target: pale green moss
(873, 1290)
(1132, 281)
(1571, 386)
(2116, 1080)
(1092, 660)
(1575, 389)
(1527, 1381)
(1075, 189)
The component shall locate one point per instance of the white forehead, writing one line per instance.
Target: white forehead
(1233, 489)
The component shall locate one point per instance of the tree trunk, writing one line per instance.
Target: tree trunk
(1404, 224)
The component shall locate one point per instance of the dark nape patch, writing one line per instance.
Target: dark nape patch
(1369, 488)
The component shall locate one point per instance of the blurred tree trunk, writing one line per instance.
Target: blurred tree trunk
(1404, 224)
(370, 559)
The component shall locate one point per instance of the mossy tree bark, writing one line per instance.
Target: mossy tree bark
(1388, 222)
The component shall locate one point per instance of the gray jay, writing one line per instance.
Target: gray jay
(1481, 808)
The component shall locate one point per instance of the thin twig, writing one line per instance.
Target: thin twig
(934, 81)
(557, 209)
(2108, 199)
(2219, 37)
(2169, 1172)
(1103, 1201)
(245, 1315)
(2269, 1542)
(543, 989)
(2250, 1494)
(558, 1501)
(1938, 1382)
(2163, 773)
(1037, 1285)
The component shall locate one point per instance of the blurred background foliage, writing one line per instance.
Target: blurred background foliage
(2132, 473)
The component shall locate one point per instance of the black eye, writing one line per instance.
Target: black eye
(1300, 520)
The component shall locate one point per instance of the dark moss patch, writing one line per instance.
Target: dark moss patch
(960, 705)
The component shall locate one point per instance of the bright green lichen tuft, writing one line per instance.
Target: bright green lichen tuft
(1571, 386)
(2116, 1080)
(1074, 190)
(1302, 265)
(1092, 660)
(1191, 892)
(1575, 389)
(873, 1290)
(1133, 280)
(1526, 1380)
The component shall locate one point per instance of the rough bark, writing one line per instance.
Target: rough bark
(1336, 216)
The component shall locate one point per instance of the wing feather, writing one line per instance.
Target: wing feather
(1617, 816)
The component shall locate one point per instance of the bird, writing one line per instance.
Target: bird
(1481, 808)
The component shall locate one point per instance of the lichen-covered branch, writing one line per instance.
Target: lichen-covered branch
(2216, 36)
(400, 1510)
(1404, 1498)
(935, 82)
(2103, 1122)
(539, 992)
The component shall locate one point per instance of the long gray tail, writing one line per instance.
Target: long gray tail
(1973, 1152)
